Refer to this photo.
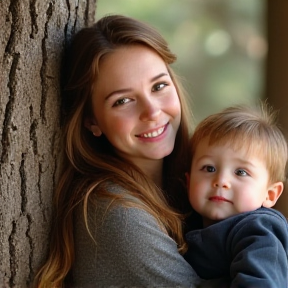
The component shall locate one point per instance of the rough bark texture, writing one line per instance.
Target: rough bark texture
(33, 34)
(277, 71)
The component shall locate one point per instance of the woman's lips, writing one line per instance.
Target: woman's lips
(154, 133)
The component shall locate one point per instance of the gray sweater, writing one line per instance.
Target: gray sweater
(130, 250)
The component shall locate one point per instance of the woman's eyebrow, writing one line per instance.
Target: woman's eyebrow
(158, 76)
(120, 91)
(125, 90)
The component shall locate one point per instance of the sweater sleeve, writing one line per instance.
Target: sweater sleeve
(129, 249)
(259, 251)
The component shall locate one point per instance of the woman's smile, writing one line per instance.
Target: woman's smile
(153, 133)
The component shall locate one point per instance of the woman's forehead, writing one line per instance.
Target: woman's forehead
(127, 66)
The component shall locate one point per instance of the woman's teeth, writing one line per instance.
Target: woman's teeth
(154, 133)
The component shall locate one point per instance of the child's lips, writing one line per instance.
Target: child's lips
(219, 199)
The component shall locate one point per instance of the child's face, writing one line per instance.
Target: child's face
(225, 182)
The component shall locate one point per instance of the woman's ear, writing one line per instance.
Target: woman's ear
(274, 192)
(91, 125)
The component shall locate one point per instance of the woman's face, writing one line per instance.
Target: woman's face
(135, 104)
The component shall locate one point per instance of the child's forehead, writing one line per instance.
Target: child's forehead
(245, 146)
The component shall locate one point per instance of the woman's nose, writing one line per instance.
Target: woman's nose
(150, 110)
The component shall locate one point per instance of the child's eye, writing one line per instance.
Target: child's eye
(241, 172)
(158, 87)
(208, 168)
(121, 101)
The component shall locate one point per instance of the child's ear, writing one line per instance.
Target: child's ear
(274, 192)
(187, 175)
(91, 125)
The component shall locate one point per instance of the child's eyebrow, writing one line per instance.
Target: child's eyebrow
(202, 157)
(245, 162)
(240, 160)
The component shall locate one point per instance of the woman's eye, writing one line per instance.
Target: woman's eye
(208, 168)
(241, 172)
(121, 102)
(158, 87)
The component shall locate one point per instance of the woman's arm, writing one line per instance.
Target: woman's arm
(130, 250)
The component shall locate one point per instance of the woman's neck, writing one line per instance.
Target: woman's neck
(153, 169)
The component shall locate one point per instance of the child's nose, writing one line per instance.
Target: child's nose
(221, 181)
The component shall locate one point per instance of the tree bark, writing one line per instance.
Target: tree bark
(33, 35)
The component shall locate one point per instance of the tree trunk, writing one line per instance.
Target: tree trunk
(33, 35)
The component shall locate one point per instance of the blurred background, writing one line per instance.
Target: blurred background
(228, 51)
(221, 46)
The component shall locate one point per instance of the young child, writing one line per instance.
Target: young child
(237, 173)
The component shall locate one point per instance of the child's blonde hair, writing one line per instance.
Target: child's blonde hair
(251, 128)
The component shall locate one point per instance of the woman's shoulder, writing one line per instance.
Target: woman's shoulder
(124, 219)
(113, 195)
(119, 209)
(131, 237)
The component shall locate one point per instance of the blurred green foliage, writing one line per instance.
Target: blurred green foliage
(220, 44)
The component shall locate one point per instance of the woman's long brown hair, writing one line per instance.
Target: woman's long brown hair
(91, 161)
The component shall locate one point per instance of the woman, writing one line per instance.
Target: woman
(120, 201)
